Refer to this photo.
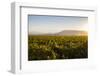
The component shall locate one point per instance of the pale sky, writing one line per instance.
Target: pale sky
(53, 24)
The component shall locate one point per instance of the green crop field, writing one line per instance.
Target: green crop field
(57, 47)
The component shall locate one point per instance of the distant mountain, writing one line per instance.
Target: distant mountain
(71, 32)
(62, 33)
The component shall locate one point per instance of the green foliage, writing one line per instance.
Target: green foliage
(57, 47)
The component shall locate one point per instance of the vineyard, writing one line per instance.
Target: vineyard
(57, 47)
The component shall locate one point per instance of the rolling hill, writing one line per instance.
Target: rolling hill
(63, 33)
(71, 32)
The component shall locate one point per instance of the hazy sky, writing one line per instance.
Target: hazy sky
(53, 24)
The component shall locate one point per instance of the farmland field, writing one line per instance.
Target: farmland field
(57, 47)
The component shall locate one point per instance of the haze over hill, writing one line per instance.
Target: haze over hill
(72, 32)
(35, 33)
(62, 33)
